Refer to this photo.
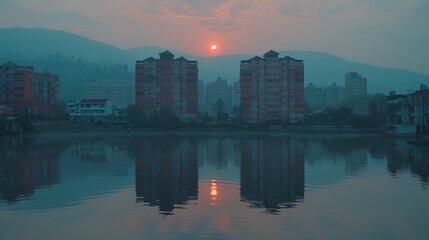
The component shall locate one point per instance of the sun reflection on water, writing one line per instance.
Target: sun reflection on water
(213, 192)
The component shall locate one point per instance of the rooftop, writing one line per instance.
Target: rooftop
(271, 53)
(166, 54)
(95, 101)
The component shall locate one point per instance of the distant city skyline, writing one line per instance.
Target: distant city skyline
(379, 32)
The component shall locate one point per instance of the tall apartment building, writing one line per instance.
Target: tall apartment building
(319, 98)
(168, 82)
(215, 91)
(314, 97)
(26, 92)
(355, 86)
(236, 101)
(121, 93)
(229, 94)
(201, 96)
(334, 95)
(272, 88)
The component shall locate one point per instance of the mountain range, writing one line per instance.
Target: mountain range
(79, 60)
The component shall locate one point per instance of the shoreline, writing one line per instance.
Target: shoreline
(69, 131)
(90, 130)
(66, 130)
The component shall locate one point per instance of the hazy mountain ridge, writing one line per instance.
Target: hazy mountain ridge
(29, 46)
(25, 43)
(77, 60)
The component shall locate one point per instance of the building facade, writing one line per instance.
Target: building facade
(217, 91)
(121, 93)
(201, 96)
(394, 108)
(90, 109)
(236, 101)
(272, 88)
(168, 82)
(319, 98)
(314, 97)
(23, 91)
(419, 102)
(355, 86)
(409, 114)
(334, 95)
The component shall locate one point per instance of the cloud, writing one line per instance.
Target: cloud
(237, 8)
(151, 8)
(73, 18)
(313, 9)
(209, 15)
(6, 5)
(196, 8)
(382, 5)
(218, 25)
(291, 9)
(191, 8)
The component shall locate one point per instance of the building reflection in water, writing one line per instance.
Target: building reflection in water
(26, 165)
(354, 151)
(403, 156)
(166, 172)
(272, 172)
(91, 151)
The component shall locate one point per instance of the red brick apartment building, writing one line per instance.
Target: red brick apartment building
(168, 82)
(26, 92)
(272, 89)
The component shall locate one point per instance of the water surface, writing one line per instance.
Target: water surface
(213, 186)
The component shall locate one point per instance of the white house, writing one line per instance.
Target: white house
(73, 108)
(95, 107)
(90, 109)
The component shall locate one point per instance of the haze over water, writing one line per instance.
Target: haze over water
(213, 186)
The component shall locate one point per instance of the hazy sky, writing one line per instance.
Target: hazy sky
(392, 33)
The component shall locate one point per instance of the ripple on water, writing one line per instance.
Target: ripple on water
(327, 174)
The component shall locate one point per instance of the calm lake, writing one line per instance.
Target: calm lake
(213, 186)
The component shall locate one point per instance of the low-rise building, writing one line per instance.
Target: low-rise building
(394, 108)
(419, 101)
(409, 113)
(90, 109)
(10, 125)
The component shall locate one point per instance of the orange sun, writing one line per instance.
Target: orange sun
(214, 47)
